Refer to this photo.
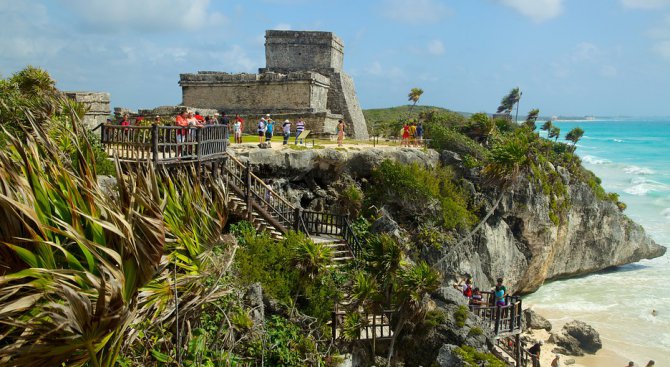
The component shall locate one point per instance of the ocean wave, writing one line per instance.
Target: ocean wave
(643, 187)
(635, 170)
(618, 140)
(591, 159)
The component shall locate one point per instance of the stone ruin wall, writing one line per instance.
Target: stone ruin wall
(304, 92)
(97, 104)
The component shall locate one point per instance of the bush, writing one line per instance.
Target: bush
(417, 194)
(473, 358)
(460, 315)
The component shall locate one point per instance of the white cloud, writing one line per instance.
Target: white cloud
(609, 71)
(537, 10)
(586, 51)
(415, 12)
(145, 15)
(436, 47)
(645, 4)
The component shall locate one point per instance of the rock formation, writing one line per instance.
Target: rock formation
(519, 242)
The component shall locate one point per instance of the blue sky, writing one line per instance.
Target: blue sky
(569, 57)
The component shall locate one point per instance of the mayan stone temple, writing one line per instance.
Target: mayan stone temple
(303, 77)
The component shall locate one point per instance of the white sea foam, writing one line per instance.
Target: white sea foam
(591, 159)
(640, 189)
(618, 140)
(635, 170)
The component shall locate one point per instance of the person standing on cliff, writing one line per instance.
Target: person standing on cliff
(340, 133)
(269, 132)
(299, 128)
(286, 129)
(238, 138)
(261, 130)
(556, 362)
(237, 132)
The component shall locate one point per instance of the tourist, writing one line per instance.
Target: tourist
(286, 128)
(241, 121)
(631, 364)
(224, 120)
(125, 122)
(269, 132)
(405, 136)
(340, 133)
(299, 128)
(181, 120)
(419, 134)
(157, 120)
(237, 131)
(477, 299)
(208, 120)
(465, 287)
(261, 130)
(651, 363)
(500, 292)
(139, 120)
(535, 353)
(412, 133)
(556, 362)
(199, 117)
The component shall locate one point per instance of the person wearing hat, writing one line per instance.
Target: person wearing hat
(556, 362)
(269, 131)
(286, 129)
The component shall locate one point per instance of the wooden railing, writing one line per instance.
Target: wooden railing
(512, 347)
(164, 144)
(500, 319)
(376, 326)
(319, 223)
(260, 196)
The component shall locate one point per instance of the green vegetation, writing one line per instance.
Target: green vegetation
(418, 194)
(460, 315)
(473, 358)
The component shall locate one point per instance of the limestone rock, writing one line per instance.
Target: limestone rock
(448, 357)
(534, 321)
(576, 338)
(588, 337)
(450, 158)
(386, 224)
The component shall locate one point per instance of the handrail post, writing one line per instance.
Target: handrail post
(154, 143)
(496, 328)
(247, 190)
(519, 355)
(296, 219)
(512, 315)
(198, 141)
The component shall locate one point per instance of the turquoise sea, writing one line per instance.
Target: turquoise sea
(632, 157)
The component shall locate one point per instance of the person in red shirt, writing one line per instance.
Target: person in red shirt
(181, 120)
(199, 117)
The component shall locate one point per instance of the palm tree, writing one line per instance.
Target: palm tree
(413, 97)
(508, 101)
(574, 135)
(555, 132)
(508, 159)
(547, 126)
(481, 127)
(414, 282)
(532, 117)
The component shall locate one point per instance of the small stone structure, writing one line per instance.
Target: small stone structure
(303, 77)
(98, 106)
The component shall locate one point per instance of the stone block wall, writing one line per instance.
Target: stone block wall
(236, 93)
(97, 104)
(302, 50)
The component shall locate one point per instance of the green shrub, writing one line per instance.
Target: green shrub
(460, 315)
(416, 194)
(475, 331)
(473, 358)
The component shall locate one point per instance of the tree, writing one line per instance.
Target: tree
(555, 132)
(574, 135)
(481, 127)
(413, 97)
(532, 117)
(547, 126)
(509, 100)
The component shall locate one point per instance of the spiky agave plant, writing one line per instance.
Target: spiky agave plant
(71, 260)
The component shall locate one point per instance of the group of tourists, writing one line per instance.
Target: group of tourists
(475, 296)
(266, 127)
(412, 134)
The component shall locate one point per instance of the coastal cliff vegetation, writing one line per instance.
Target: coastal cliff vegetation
(154, 269)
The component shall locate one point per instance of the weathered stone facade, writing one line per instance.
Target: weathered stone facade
(98, 106)
(303, 77)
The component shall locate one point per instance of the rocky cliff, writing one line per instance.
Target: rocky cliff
(519, 242)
